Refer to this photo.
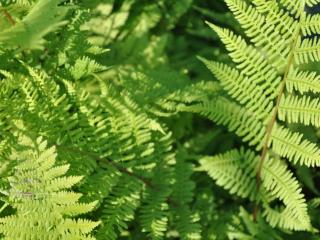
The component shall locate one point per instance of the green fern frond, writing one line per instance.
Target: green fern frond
(243, 89)
(222, 111)
(292, 145)
(303, 81)
(295, 8)
(280, 182)
(36, 190)
(263, 34)
(282, 20)
(243, 227)
(84, 67)
(312, 3)
(234, 171)
(307, 51)
(119, 208)
(250, 61)
(311, 25)
(305, 110)
(185, 220)
(268, 69)
(155, 207)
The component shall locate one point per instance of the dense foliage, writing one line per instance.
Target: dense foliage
(132, 119)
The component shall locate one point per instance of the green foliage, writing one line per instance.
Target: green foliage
(259, 109)
(38, 190)
(110, 127)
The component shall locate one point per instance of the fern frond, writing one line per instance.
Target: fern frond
(38, 195)
(295, 8)
(303, 81)
(307, 51)
(84, 67)
(312, 3)
(243, 89)
(279, 181)
(295, 109)
(119, 208)
(292, 145)
(234, 171)
(155, 208)
(263, 34)
(282, 20)
(311, 25)
(222, 111)
(185, 220)
(243, 227)
(250, 61)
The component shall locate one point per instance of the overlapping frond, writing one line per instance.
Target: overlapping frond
(223, 111)
(37, 189)
(242, 89)
(280, 182)
(235, 171)
(262, 33)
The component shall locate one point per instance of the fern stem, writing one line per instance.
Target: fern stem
(120, 169)
(274, 117)
(97, 158)
(8, 16)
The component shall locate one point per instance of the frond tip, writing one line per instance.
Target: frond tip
(235, 171)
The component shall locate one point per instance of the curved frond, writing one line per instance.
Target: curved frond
(242, 88)
(279, 181)
(234, 117)
(234, 171)
(263, 34)
(35, 191)
(250, 61)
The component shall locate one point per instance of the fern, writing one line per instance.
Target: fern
(268, 92)
(38, 189)
(114, 88)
